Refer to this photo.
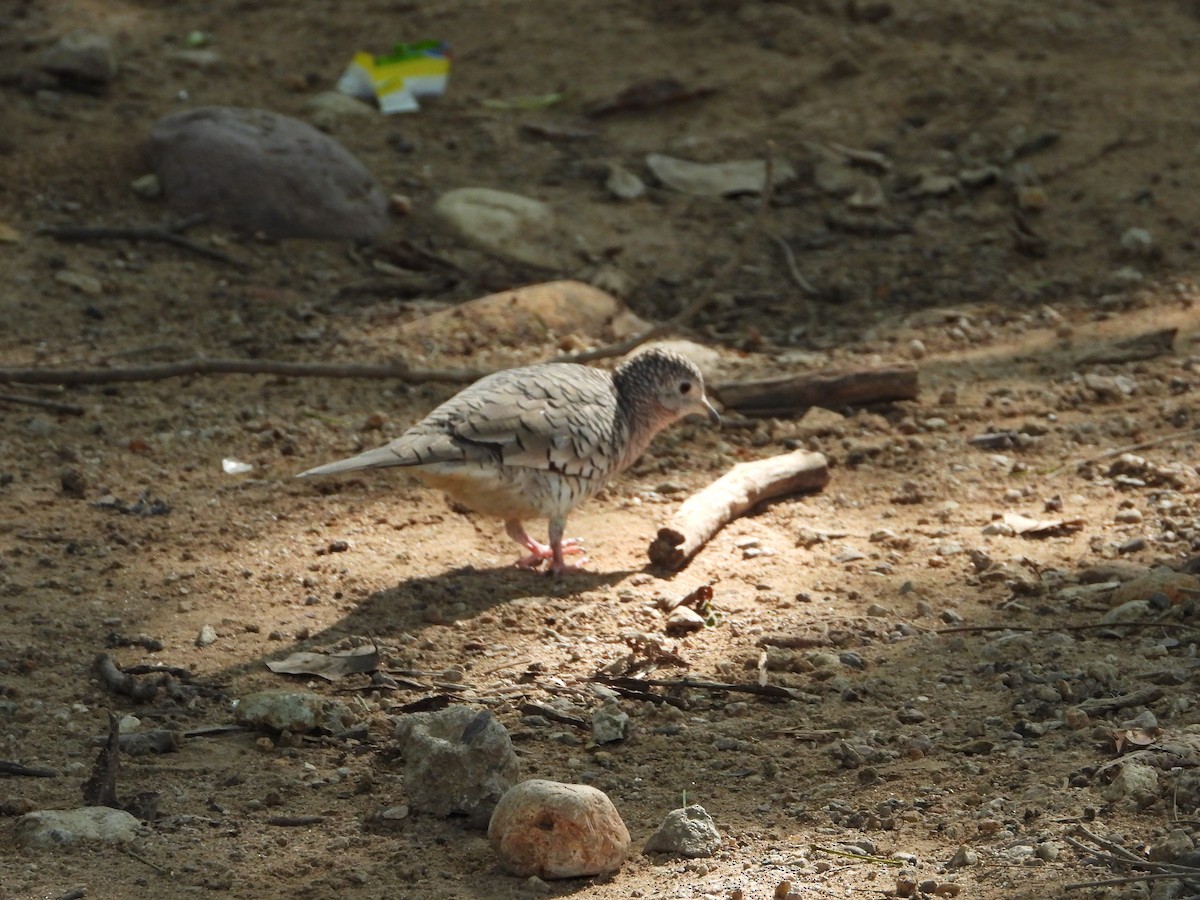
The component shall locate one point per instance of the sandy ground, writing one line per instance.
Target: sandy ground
(917, 730)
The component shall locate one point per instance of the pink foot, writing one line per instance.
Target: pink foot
(540, 552)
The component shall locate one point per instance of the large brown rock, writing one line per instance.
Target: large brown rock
(555, 830)
(259, 171)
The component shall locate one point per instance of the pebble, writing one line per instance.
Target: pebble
(82, 56)
(555, 830)
(147, 186)
(85, 284)
(689, 832)
(610, 723)
(684, 620)
(623, 184)
(963, 857)
(1137, 242)
(1129, 516)
(916, 349)
(206, 637)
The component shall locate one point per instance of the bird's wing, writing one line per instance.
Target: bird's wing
(558, 418)
(555, 417)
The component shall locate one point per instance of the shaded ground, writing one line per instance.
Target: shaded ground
(1063, 128)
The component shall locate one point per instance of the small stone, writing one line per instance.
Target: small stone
(965, 856)
(684, 620)
(916, 349)
(1136, 782)
(689, 832)
(54, 829)
(910, 715)
(73, 483)
(1129, 516)
(555, 830)
(1032, 198)
(1137, 243)
(82, 56)
(623, 184)
(1048, 851)
(146, 186)
(85, 284)
(207, 636)
(1172, 846)
(610, 723)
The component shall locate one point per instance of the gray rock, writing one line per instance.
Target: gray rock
(555, 830)
(1136, 782)
(743, 176)
(328, 108)
(207, 636)
(623, 184)
(299, 712)
(508, 225)
(259, 171)
(82, 56)
(458, 762)
(688, 832)
(610, 723)
(56, 828)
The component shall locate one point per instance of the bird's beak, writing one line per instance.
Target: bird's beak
(713, 416)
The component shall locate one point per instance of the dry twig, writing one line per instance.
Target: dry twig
(167, 234)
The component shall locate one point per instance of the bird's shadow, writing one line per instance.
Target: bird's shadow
(416, 604)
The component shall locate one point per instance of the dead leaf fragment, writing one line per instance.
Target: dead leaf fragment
(1024, 525)
(330, 666)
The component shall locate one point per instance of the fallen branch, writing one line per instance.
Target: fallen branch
(733, 494)
(830, 390)
(14, 769)
(120, 683)
(167, 234)
(69, 409)
(705, 297)
(183, 368)
(1128, 448)
(762, 690)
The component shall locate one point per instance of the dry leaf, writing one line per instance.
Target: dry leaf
(330, 666)
(1041, 527)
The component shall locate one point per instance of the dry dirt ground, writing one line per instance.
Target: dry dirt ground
(916, 731)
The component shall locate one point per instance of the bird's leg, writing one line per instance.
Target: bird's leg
(538, 551)
(558, 547)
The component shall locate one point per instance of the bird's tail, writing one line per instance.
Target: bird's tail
(372, 459)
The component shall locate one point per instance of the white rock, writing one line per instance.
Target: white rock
(743, 176)
(623, 184)
(555, 830)
(509, 225)
(53, 828)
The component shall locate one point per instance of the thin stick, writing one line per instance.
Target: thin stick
(1131, 448)
(69, 409)
(184, 368)
(726, 272)
(167, 235)
(793, 268)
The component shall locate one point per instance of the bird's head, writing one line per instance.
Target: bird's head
(664, 385)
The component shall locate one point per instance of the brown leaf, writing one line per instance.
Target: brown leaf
(330, 666)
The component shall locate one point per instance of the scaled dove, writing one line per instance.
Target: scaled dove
(534, 442)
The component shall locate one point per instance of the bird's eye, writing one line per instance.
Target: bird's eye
(685, 388)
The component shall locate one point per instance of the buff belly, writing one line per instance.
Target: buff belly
(512, 493)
